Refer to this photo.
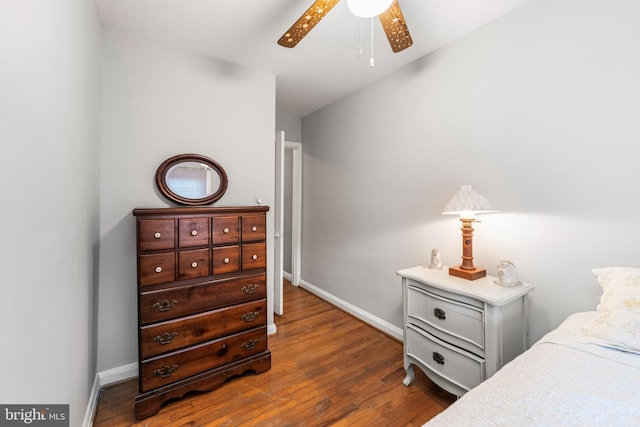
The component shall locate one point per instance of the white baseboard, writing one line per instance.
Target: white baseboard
(287, 276)
(119, 373)
(102, 379)
(92, 404)
(366, 317)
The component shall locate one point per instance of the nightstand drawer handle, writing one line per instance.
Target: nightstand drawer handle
(226, 230)
(254, 257)
(254, 228)
(250, 288)
(438, 358)
(166, 371)
(227, 260)
(439, 313)
(165, 338)
(194, 232)
(165, 305)
(157, 235)
(249, 344)
(194, 264)
(250, 316)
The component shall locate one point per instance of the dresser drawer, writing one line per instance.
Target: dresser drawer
(193, 232)
(191, 299)
(175, 366)
(226, 259)
(193, 263)
(463, 322)
(254, 255)
(155, 234)
(157, 268)
(225, 229)
(174, 334)
(450, 363)
(254, 227)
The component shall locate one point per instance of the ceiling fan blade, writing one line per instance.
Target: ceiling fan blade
(395, 27)
(306, 22)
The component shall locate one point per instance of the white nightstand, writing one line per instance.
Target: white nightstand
(460, 332)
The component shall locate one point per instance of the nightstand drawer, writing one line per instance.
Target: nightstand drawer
(464, 323)
(451, 364)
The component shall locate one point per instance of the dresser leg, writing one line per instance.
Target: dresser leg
(408, 380)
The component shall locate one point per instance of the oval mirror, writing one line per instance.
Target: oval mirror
(191, 179)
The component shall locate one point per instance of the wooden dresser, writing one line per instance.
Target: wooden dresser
(202, 307)
(458, 331)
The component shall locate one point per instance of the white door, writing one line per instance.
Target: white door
(278, 243)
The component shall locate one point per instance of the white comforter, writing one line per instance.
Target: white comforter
(559, 381)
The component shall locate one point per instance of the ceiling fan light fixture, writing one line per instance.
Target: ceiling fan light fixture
(368, 8)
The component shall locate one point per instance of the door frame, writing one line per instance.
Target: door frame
(296, 210)
(296, 217)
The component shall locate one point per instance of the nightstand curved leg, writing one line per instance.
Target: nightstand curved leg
(408, 380)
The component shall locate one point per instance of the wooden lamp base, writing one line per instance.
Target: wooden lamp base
(467, 270)
(473, 274)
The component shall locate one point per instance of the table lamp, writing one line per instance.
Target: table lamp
(468, 203)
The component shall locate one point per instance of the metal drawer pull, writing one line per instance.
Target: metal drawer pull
(165, 305)
(439, 313)
(158, 269)
(250, 288)
(250, 316)
(225, 231)
(254, 257)
(227, 260)
(157, 235)
(194, 264)
(194, 232)
(165, 338)
(438, 358)
(166, 371)
(254, 228)
(249, 344)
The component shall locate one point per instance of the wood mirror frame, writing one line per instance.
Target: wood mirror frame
(218, 181)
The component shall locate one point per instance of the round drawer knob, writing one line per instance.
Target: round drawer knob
(194, 232)
(254, 257)
(158, 269)
(225, 231)
(157, 235)
(194, 264)
(227, 260)
(254, 228)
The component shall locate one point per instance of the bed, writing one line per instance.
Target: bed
(586, 372)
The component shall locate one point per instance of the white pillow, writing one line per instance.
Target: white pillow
(617, 324)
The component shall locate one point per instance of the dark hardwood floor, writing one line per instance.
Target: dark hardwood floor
(328, 368)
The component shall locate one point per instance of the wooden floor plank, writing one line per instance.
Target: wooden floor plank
(328, 368)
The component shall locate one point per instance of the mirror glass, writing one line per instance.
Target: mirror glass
(191, 179)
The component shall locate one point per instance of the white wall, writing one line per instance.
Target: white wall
(538, 111)
(49, 173)
(160, 102)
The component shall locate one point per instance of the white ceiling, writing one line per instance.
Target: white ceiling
(323, 66)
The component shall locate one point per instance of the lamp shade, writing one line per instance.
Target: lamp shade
(467, 202)
(368, 8)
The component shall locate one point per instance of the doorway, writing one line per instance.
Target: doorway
(288, 216)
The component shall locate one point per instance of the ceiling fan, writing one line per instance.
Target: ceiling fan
(388, 11)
